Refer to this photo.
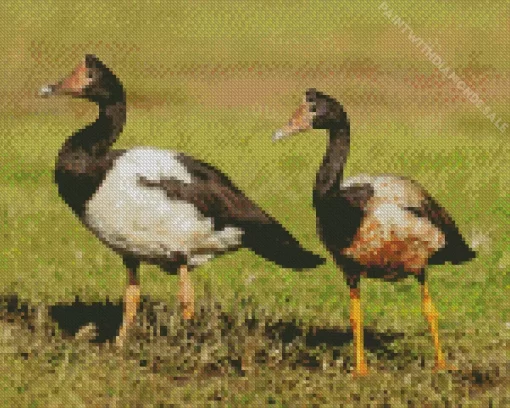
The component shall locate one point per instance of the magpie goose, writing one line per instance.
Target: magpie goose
(376, 226)
(156, 206)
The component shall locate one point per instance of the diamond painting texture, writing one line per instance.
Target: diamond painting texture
(258, 203)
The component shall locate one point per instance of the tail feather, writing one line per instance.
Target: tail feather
(276, 244)
(461, 255)
(456, 248)
(455, 251)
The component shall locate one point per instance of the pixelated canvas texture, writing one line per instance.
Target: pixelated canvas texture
(254, 203)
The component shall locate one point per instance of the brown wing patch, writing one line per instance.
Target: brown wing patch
(393, 248)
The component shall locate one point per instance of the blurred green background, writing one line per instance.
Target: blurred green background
(214, 79)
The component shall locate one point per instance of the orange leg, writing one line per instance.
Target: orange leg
(131, 299)
(430, 313)
(131, 302)
(186, 293)
(357, 331)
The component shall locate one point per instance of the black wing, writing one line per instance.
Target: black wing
(455, 250)
(216, 196)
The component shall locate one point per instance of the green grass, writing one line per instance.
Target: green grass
(47, 256)
(216, 87)
(280, 178)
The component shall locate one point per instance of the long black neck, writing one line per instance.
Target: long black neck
(96, 139)
(85, 157)
(332, 169)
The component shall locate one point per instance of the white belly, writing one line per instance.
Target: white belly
(133, 219)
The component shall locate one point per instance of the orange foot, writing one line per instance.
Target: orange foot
(361, 371)
(188, 313)
(442, 366)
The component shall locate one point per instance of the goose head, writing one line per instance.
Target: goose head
(91, 79)
(317, 111)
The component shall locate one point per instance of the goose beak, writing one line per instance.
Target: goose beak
(60, 88)
(285, 131)
(300, 121)
(73, 85)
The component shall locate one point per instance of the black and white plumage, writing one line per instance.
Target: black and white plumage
(156, 206)
(381, 226)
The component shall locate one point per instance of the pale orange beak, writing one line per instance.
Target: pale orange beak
(300, 121)
(73, 85)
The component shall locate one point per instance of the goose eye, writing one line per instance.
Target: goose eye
(313, 107)
(90, 74)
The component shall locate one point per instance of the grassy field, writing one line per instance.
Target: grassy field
(215, 80)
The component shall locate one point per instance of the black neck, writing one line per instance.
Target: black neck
(96, 139)
(332, 169)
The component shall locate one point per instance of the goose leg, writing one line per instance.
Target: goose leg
(131, 299)
(356, 317)
(431, 314)
(186, 293)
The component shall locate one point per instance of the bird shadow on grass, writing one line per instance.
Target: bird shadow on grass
(68, 317)
(105, 316)
(234, 328)
(320, 339)
(332, 336)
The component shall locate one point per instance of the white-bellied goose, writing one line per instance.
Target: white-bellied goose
(380, 226)
(156, 206)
